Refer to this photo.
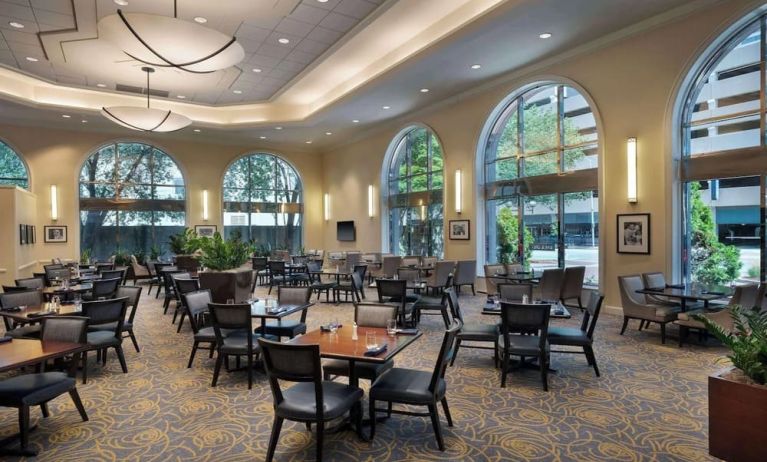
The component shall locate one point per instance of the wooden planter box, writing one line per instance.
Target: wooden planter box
(225, 285)
(736, 416)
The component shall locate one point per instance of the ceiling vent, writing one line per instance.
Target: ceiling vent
(141, 90)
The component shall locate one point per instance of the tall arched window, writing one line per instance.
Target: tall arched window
(12, 168)
(724, 162)
(132, 198)
(416, 180)
(533, 213)
(263, 202)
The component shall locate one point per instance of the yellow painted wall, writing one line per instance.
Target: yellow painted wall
(17, 206)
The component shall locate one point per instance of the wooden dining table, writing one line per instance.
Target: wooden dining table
(48, 291)
(258, 310)
(687, 294)
(558, 309)
(38, 312)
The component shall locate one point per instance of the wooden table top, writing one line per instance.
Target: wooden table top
(410, 284)
(258, 310)
(519, 276)
(687, 293)
(26, 352)
(22, 315)
(72, 288)
(558, 310)
(340, 345)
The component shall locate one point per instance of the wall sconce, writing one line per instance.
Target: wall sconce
(54, 202)
(205, 205)
(371, 206)
(458, 191)
(631, 169)
(423, 210)
(326, 205)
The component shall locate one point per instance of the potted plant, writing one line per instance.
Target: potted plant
(223, 272)
(185, 245)
(737, 396)
(154, 253)
(85, 257)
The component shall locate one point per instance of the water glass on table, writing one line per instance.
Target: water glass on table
(370, 340)
(391, 327)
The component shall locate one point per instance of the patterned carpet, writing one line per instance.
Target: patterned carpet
(649, 405)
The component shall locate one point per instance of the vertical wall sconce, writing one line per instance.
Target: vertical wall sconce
(631, 169)
(423, 210)
(326, 205)
(371, 204)
(458, 191)
(205, 205)
(54, 202)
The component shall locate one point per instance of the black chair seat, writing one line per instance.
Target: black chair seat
(102, 338)
(409, 299)
(287, 328)
(568, 336)
(406, 386)
(206, 334)
(478, 332)
(322, 285)
(525, 345)
(299, 401)
(127, 325)
(366, 371)
(29, 331)
(429, 302)
(237, 344)
(31, 389)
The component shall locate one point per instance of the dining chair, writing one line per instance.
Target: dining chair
(514, 268)
(582, 337)
(103, 289)
(56, 274)
(169, 285)
(394, 291)
(442, 271)
(260, 271)
(491, 283)
(411, 260)
(139, 271)
(745, 296)
(196, 304)
(518, 321)
(550, 285)
(159, 278)
(311, 400)
(30, 283)
(657, 280)
(182, 285)
(27, 390)
(636, 305)
(572, 285)
(435, 304)
(289, 295)
(417, 388)
(133, 295)
(114, 274)
(365, 315)
(110, 312)
(352, 259)
(353, 287)
(483, 333)
(515, 292)
(233, 326)
(29, 297)
(278, 276)
(465, 274)
(317, 285)
(390, 265)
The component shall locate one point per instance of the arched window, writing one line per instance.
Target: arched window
(263, 202)
(416, 180)
(533, 214)
(724, 162)
(132, 198)
(12, 168)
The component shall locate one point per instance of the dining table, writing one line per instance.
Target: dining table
(258, 309)
(687, 293)
(558, 309)
(520, 276)
(34, 313)
(412, 284)
(70, 289)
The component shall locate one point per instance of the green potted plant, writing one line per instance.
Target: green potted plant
(85, 257)
(223, 272)
(154, 253)
(186, 245)
(737, 396)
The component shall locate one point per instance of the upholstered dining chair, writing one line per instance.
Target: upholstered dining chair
(515, 292)
(30, 297)
(394, 291)
(636, 305)
(159, 279)
(182, 285)
(411, 260)
(28, 390)
(278, 275)
(103, 289)
(435, 304)
(290, 295)
(114, 274)
(572, 285)
(139, 271)
(465, 274)
(550, 285)
(442, 271)
(133, 295)
(657, 280)
(169, 285)
(491, 283)
(111, 312)
(582, 337)
(196, 304)
(390, 265)
(745, 296)
(260, 271)
(482, 333)
(31, 283)
(355, 287)
(518, 320)
(311, 400)
(233, 326)
(417, 388)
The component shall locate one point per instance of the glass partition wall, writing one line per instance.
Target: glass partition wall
(540, 172)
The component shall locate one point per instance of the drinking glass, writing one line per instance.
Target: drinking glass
(334, 326)
(78, 302)
(230, 301)
(391, 327)
(370, 340)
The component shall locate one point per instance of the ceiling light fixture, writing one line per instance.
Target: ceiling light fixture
(32, 60)
(163, 41)
(255, 69)
(309, 142)
(322, 1)
(200, 20)
(101, 85)
(121, 2)
(180, 96)
(386, 107)
(84, 121)
(284, 41)
(237, 92)
(278, 128)
(262, 137)
(355, 121)
(424, 90)
(328, 133)
(545, 35)
(16, 25)
(146, 119)
(66, 116)
(476, 66)
(196, 130)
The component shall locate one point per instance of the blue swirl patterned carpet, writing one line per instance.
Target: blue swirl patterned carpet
(649, 405)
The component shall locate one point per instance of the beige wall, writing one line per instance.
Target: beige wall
(633, 84)
(18, 206)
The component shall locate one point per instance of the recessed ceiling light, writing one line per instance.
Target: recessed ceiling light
(309, 142)
(283, 41)
(262, 137)
(197, 130)
(16, 25)
(386, 107)
(237, 92)
(66, 116)
(200, 20)
(121, 2)
(180, 96)
(355, 121)
(31, 59)
(475, 66)
(255, 69)
(84, 121)
(101, 85)
(278, 128)
(322, 1)
(545, 35)
(328, 133)
(424, 90)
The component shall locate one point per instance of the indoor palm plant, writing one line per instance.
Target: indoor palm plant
(737, 396)
(224, 273)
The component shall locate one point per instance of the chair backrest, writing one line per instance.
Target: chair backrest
(357, 283)
(572, 286)
(411, 260)
(167, 279)
(133, 294)
(105, 288)
(52, 266)
(112, 274)
(429, 261)
(374, 314)
(654, 280)
(7, 289)
(516, 317)
(56, 261)
(276, 267)
(628, 286)
(104, 267)
(551, 283)
(314, 265)
(591, 314)
(390, 266)
(258, 263)
(160, 267)
(235, 317)
(72, 329)
(30, 283)
(746, 296)
(361, 270)
(515, 292)
(446, 352)
(465, 272)
(293, 295)
(442, 272)
(196, 303)
(184, 285)
(293, 363)
(22, 298)
(58, 273)
(514, 268)
(408, 274)
(107, 311)
(455, 307)
(352, 259)
(138, 268)
(491, 285)
(391, 288)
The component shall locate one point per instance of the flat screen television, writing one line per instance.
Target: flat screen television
(345, 231)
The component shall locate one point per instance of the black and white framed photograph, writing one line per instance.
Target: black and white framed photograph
(634, 233)
(205, 230)
(55, 233)
(22, 234)
(460, 230)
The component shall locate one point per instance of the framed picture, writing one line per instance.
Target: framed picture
(205, 230)
(22, 234)
(460, 230)
(55, 233)
(634, 233)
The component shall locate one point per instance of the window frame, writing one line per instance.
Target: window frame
(10, 181)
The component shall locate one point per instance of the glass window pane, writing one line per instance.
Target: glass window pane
(12, 169)
(579, 123)
(540, 120)
(236, 175)
(419, 183)
(581, 158)
(236, 195)
(437, 181)
(542, 164)
(166, 172)
(419, 154)
(541, 221)
(169, 192)
(581, 233)
(133, 163)
(98, 232)
(100, 166)
(262, 173)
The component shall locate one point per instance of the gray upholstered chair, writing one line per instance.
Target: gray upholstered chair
(550, 285)
(196, 304)
(745, 296)
(365, 315)
(31, 283)
(310, 400)
(390, 266)
(352, 259)
(111, 312)
(260, 271)
(233, 327)
(417, 388)
(491, 283)
(290, 295)
(636, 306)
(518, 321)
(515, 292)
(411, 260)
(24, 391)
(429, 262)
(514, 268)
(572, 286)
(22, 298)
(139, 271)
(583, 337)
(657, 280)
(133, 295)
(438, 279)
(465, 274)
(182, 285)
(487, 333)
(104, 289)
(114, 274)
(394, 291)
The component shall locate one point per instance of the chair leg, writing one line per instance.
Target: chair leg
(682, 335)
(504, 369)
(250, 371)
(544, 361)
(580, 304)
(625, 323)
(320, 438)
(133, 339)
(78, 404)
(455, 352)
(194, 351)
(592, 359)
(389, 409)
(85, 367)
(445, 317)
(435, 423)
(217, 369)
(24, 426)
(44, 410)
(663, 333)
(495, 352)
(372, 416)
(121, 357)
(276, 427)
(181, 321)
(447, 412)
(472, 290)
(642, 324)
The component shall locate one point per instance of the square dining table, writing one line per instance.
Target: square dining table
(258, 310)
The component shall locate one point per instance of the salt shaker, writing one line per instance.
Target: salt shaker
(354, 331)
